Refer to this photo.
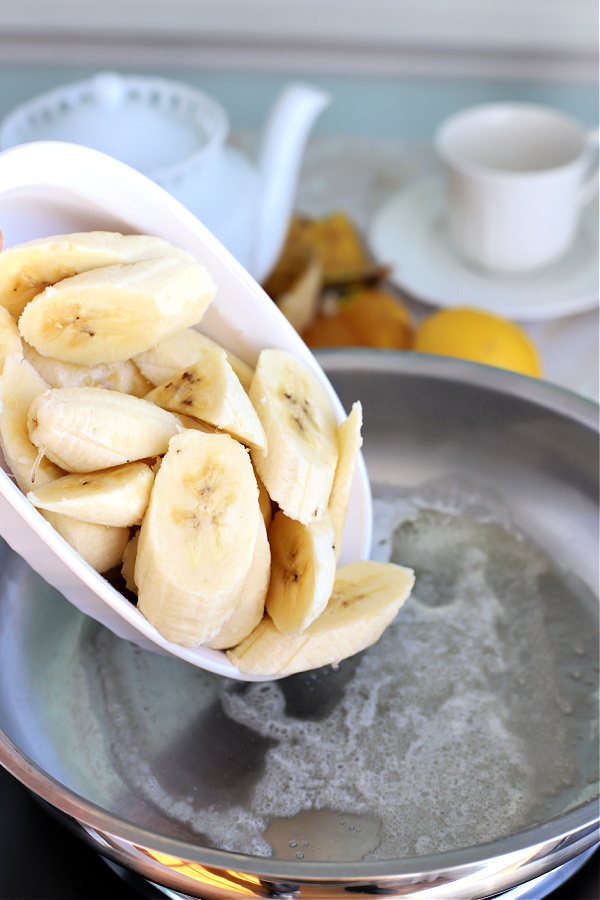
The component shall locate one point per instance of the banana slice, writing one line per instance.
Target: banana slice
(27, 269)
(264, 501)
(366, 598)
(117, 496)
(109, 314)
(128, 563)
(251, 606)
(302, 571)
(172, 355)
(197, 538)
(349, 442)
(20, 384)
(10, 339)
(124, 377)
(102, 546)
(301, 429)
(209, 390)
(85, 429)
(196, 424)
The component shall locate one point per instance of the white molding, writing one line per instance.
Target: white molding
(511, 38)
(507, 23)
(215, 56)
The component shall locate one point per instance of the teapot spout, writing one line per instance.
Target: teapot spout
(280, 157)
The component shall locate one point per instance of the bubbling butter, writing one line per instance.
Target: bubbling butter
(470, 719)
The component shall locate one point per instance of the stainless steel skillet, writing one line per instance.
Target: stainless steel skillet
(486, 685)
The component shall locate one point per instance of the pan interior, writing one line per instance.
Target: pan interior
(474, 717)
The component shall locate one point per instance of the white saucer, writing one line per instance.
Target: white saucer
(410, 234)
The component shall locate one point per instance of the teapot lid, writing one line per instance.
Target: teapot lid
(149, 123)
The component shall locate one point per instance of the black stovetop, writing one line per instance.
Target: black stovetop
(40, 859)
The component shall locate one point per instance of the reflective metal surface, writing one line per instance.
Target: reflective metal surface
(483, 690)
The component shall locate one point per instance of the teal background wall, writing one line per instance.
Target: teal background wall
(399, 107)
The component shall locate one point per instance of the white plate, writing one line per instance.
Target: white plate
(49, 188)
(410, 234)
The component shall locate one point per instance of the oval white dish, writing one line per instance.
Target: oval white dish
(49, 188)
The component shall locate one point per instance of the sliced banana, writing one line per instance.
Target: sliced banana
(195, 424)
(117, 496)
(210, 391)
(102, 546)
(27, 269)
(128, 563)
(20, 384)
(302, 571)
(197, 538)
(103, 376)
(85, 429)
(301, 430)
(264, 501)
(349, 442)
(182, 350)
(366, 598)
(124, 377)
(10, 339)
(109, 314)
(251, 606)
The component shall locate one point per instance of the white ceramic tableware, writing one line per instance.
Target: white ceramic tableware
(518, 176)
(49, 188)
(410, 234)
(177, 135)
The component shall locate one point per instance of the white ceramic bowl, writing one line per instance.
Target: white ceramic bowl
(49, 188)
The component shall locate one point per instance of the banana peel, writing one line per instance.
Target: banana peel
(329, 288)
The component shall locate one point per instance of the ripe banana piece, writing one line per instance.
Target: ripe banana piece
(366, 598)
(20, 384)
(182, 350)
(197, 537)
(128, 563)
(196, 424)
(109, 314)
(301, 430)
(124, 377)
(349, 442)
(251, 606)
(210, 391)
(10, 339)
(84, 429)
(264, 501)
(302, 571)
(117, 496)
(27, 269)
(102, 546)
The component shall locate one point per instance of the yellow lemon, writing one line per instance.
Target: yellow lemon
(479, 336)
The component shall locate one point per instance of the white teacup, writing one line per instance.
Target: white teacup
(517, 178)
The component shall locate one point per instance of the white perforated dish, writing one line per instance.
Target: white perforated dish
(49, 188)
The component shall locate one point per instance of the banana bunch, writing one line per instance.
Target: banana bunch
(220, 491)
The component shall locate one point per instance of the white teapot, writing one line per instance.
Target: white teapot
(177, 136)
